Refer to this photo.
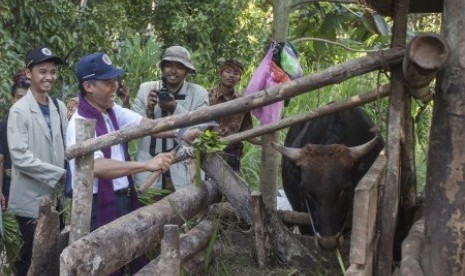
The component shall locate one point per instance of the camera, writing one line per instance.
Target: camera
(163, 94)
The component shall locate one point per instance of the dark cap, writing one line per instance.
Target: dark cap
(231, 63)
(39, 55)
(96, 66)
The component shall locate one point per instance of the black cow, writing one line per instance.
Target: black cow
(324, 160)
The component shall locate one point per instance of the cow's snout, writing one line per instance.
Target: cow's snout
(330, 243)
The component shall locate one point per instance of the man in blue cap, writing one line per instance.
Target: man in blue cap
(35, 128)
(113, 189)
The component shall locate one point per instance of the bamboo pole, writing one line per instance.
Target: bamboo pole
(332, 75)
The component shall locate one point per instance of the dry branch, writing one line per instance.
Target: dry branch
(332, 75)
(132, 235)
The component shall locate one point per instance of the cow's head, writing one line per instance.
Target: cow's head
(326, 187)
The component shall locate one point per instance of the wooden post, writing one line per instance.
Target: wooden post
(332, 75)
(170, 261)
(390, 199)
(83, 183)
(191, 243)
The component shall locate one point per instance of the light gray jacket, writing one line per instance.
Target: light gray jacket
(196, 98)
(37, 158)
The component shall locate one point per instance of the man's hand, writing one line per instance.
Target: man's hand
(191, 135)
(161, 161)
(123, 94)
(152, 100)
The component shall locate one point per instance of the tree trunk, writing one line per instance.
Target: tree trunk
(117, 243)
(445, 184)
(331, 75)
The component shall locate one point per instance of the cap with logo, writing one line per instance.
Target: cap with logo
(178, 54)
(96, 66)
(39, 55)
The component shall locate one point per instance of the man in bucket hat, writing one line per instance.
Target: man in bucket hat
(35, 126)
(162, 98)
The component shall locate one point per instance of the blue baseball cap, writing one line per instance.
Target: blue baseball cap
(96, 66)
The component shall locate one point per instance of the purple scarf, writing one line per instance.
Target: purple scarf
(106, 200)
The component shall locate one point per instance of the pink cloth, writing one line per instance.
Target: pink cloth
(261, 79)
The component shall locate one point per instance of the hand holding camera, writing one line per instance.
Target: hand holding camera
(166, 99)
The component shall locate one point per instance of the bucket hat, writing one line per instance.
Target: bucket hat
(178, 54)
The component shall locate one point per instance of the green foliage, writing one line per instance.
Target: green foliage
(12, 241)
(213, 29)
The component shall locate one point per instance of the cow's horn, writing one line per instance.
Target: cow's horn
(358, 152)
(291, 153)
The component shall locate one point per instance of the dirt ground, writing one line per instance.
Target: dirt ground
(237, 257)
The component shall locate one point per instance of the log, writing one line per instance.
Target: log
(259, 231)
(83, 184)
(230, 184)
(294, 218)
(390, 199)
(332, 75)
(334, 107)
(170, 260)
(412, 248)
(425, 55)
(362, 240)
(197, 263)
(113, 245)
(386, 7)
(45, 260)
(191, 243)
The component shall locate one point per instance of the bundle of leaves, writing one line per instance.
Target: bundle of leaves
(208, 142)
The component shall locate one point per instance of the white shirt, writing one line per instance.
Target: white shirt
(126, 118)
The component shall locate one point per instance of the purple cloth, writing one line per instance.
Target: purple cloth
(106, 200)
(261, 79)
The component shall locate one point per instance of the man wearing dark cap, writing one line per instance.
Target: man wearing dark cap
(181, 97)
(113, 189)
(98, 84)
(36, 124)
(230, 73)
